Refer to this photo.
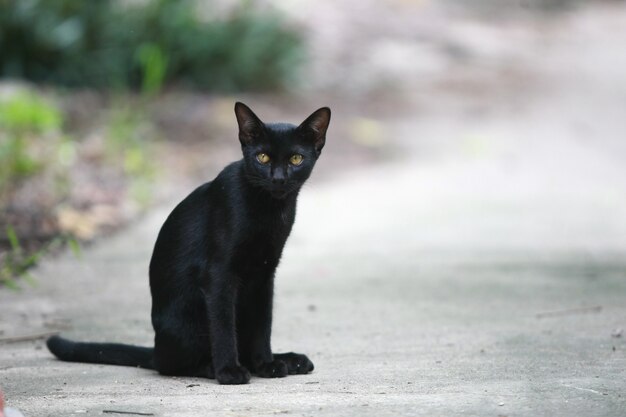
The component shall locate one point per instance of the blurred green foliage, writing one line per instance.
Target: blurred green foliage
(145, 44)
(24, 117)
(35, 148)
(30, 138)
(33, 141)
(29, 112)
(154, 67)
(129, 143)
(17, 261)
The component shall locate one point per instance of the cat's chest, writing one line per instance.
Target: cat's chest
(262, 239)
(268, 225)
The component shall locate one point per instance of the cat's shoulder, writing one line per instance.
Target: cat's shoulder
(217, 191)
(231, 171)
(229, 179)
(229, 174)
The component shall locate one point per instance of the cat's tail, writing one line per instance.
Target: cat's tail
(105, 353)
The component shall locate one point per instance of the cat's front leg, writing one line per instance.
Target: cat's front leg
(220, 301)
(255, 329)
(259, 324)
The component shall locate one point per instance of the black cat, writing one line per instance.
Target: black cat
(212, 269)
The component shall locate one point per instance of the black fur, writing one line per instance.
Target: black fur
(212, 269)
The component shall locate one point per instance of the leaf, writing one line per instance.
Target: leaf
(12, 236)
(7, 279)
(31, 260)
(75, 247)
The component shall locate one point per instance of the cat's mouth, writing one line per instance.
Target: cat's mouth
(280, 192)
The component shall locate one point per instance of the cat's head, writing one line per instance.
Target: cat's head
(279, 157)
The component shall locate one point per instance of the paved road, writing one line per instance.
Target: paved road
(479, 271)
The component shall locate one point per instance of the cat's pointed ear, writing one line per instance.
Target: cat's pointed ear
(316, 125)
(250, 126)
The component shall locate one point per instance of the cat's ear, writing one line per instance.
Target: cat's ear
(316, 125)
(250, 126)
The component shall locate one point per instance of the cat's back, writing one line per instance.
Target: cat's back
(192, 219)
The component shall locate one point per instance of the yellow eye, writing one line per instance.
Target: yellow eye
(296, 159)
(263, 158)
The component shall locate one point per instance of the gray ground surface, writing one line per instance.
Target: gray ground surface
(479, 271)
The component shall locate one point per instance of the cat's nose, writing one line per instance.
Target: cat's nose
(278, 178)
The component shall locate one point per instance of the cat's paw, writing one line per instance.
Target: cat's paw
(297, 363)
(274, 369)
(231, 375)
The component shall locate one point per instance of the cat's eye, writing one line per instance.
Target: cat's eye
(263, 158)
(296, 159)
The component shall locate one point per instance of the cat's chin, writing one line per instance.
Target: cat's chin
(279, 194)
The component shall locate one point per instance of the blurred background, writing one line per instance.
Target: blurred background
(496, 124)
